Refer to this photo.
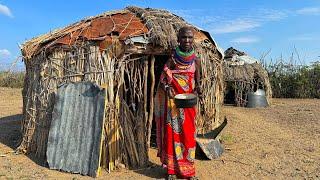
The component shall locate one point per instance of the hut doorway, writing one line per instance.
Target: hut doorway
(230, 96)
(160, 61)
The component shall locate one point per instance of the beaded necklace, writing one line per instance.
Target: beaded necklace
(183, 60)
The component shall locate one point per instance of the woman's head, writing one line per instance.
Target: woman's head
(185, 38)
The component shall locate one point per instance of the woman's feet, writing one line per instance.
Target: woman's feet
(194, 178)
(172, 177)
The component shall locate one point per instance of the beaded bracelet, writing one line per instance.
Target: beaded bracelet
(165, 68)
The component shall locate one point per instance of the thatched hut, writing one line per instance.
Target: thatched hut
(125, 52)
(243, 74)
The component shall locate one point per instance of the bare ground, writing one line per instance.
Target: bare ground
(278, 142)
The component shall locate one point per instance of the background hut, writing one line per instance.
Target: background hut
(243, 74)
(123, 51)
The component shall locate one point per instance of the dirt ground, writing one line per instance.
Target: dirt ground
(278, 142)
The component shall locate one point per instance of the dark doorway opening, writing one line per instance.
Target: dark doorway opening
(230, 95)
(160, 61)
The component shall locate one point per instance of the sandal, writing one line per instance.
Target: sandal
(194, 178)
(172, 177)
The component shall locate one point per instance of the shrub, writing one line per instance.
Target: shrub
(295, 81)
(12, 79)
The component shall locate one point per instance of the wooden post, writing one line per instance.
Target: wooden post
(141, 125)
(149, 124)
(145, 90)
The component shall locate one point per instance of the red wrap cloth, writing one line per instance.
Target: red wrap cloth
(176, 126)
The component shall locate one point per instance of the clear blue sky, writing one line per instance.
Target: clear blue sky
(256, 27)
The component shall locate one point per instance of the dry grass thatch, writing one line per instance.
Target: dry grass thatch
(123, 51)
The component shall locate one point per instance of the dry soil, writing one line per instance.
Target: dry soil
(278, 142)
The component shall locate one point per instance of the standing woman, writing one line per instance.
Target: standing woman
(176, 129)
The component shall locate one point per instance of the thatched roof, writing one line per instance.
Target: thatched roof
(159, 27)
(246, 72)
(238, 66)
(230, 52)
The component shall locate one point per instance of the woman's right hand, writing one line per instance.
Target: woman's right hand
(171, 92)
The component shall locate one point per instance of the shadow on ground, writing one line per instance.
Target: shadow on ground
(153, 171)
(10, 134)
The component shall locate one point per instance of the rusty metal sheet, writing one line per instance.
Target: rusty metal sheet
(118, 25)
(121, 25)
(75, 133)
(121, 22)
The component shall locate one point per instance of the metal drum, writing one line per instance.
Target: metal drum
(257, 99)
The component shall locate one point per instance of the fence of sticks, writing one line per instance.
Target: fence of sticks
(241, 79)
(123, 51)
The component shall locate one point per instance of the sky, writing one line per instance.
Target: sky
(269, 29)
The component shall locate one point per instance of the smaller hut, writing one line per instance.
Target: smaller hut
(243, 74)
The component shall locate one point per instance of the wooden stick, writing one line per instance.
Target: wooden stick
(145, 90)
(149, 124)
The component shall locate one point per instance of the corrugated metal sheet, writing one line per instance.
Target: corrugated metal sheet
(76, 127)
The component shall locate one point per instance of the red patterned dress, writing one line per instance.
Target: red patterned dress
(176, 126)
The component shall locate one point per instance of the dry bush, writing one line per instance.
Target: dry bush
(295, 81)
(11, 79)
